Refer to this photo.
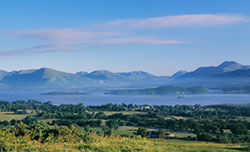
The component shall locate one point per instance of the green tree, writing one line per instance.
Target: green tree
(224, 139)
(239, 129)
(142, 132)
(112, 124)
(87, 128)
(205, 137)
(100, 115)
(162, 133)
(13, 122)
(108, 131)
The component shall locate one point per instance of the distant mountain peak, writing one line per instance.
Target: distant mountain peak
(82, 73)
(228, 66)
(139, 72)
(101, 72)
(135, 73)
(211, 71)
(229, 63)
(103, 75)
(47, 70)
(25, 71)
(138, 75)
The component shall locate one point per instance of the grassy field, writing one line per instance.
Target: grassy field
(108, 113)
(126, 130)
(183, 134)
(47, 120)
(10, 115)
(176, 117)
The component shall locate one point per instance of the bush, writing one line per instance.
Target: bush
(142, 132)
(205, 137)
(162, 133)
(224, 139)
(239, 129)
(112, 124)
(108, 131)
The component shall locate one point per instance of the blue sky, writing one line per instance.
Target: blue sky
(160, 36)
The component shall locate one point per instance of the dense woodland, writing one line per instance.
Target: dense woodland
(45, 122)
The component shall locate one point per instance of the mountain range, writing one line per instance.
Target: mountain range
(229, 73)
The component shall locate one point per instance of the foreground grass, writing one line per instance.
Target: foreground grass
(115, 144)
(107, 144)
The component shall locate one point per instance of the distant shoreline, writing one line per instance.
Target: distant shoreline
(64, 93)
(164, 90)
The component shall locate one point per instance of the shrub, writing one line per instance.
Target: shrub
(142, 132)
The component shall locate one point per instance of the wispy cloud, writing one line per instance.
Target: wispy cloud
(155, 22)
(177, 21)
(136, 40)
(60, 40)
(83, 45)
(59, 34)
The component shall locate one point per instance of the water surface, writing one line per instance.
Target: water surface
(98, 98)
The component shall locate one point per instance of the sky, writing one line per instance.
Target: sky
(156, 36)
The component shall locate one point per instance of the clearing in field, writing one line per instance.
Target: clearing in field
(10, 115)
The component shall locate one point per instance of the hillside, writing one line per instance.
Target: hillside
(43, 77)
(97, 143)
(178, 74)
(2, 74)
(241, 73)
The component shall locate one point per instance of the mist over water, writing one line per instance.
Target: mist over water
(99, 98)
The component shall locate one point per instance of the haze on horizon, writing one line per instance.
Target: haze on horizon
(157, 37)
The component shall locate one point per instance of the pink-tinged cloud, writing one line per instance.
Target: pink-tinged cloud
(121, 41)
(136, 40)
(86, 45)
(178, 21)
(59, 34)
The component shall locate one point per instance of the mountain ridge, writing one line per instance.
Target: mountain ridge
(225, 74)
(226, 66)
(214, 76)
